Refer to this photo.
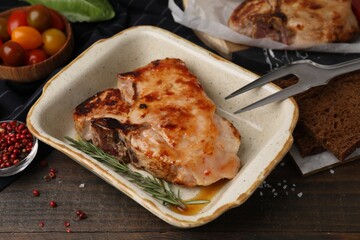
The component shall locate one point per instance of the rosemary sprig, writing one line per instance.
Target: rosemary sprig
(156, 187)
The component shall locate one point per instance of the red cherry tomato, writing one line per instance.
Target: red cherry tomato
(38, 16)
(27, 37)
(12, 54)
(35, 56)
(56, 20)
(16, 19)
(356, 9)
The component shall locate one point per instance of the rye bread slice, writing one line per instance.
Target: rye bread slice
(306, 144)
(331, 114)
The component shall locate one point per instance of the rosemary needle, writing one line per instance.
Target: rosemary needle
(156, 187)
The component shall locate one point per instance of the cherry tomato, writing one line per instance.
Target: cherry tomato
(4, 35)
(56, 20)
(12, 54)
(356, 8)
(16, 19)
(27, 37)
(39, 17)
(53, 40)
(35, 56)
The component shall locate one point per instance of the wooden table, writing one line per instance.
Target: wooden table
(322, 206)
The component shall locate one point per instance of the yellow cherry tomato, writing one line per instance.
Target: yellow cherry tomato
(27, 37)
(53, 40)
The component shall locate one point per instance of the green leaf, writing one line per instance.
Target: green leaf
(80, 10)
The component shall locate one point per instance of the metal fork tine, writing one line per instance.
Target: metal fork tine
(310, 74)
(281, 95)
(281, 72)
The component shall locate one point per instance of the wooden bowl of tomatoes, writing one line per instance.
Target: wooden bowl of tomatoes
(34, 41)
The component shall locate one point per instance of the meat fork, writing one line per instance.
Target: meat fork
(309, 73)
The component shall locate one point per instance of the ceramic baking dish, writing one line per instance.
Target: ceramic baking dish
(266, 132)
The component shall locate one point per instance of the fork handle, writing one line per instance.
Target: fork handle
(345, 67)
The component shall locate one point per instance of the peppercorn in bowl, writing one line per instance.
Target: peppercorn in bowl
(18, 147)
(34, 41)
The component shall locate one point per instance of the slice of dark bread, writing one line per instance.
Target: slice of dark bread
(329, 116)
(306, 144)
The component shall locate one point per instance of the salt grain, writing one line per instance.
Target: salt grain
(281, 188)
(41, 224)
(82, 185)
(332, 171)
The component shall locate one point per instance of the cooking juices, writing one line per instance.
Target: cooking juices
(205, 193)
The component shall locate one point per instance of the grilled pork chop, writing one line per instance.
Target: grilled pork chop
(300, 23)
(160, 119)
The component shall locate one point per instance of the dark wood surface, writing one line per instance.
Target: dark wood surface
(329, 207)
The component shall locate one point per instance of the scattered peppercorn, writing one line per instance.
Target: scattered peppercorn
(41, 224)
(66, 223)
(53, 204)
(16, 142)
(52, 175)
(36, 193)
(81, 215)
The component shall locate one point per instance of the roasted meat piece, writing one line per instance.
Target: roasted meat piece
(300, 23)
(161, 120)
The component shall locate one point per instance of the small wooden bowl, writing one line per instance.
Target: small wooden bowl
(31, 73)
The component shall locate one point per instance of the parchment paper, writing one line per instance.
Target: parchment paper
(316, 163)
(211, 16)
